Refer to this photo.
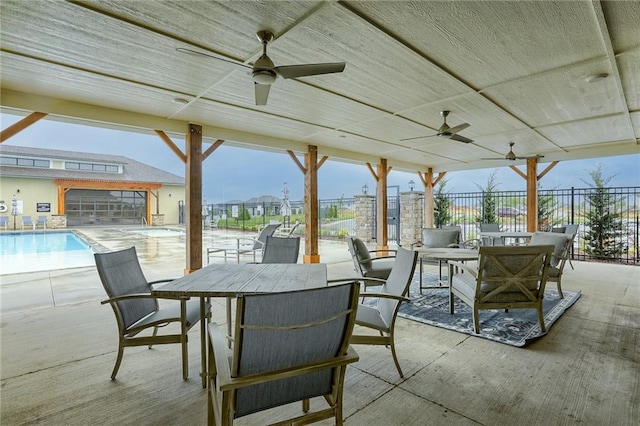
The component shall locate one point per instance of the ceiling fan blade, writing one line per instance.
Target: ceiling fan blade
(417, 137)
(458, 128)
(293, 71)
(530, 156)
(262, 93)
(493, 158)
(460, 138)
(206, 55)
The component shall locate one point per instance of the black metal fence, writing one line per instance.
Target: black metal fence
(608, 218)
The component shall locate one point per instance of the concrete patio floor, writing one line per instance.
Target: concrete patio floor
(58, 346)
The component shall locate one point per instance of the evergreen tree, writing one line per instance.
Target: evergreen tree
(488, 214)
(603, 223)
(442, 215)
(547, 206)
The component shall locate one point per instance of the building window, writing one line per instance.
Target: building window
(74, 165)
(24, 162)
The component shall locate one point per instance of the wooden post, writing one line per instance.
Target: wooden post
(194, 198)
(311, 254)
(310, 171)
(532, 194)
(382, 232)
(429, 202)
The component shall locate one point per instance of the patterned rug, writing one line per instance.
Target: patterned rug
(518, 327)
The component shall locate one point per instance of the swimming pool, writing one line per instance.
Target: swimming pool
(42, 251)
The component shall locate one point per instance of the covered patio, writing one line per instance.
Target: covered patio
(58, 348)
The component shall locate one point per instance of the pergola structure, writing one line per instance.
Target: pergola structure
(557, 78)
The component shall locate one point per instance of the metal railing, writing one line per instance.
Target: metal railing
(608, 218)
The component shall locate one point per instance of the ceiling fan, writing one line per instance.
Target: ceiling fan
(511, 156)
(447, 132)
(264, 72)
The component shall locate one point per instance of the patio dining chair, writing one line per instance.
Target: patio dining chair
(561, 250)
(289, 347)
(509, 277)
(281, 250)
(367, 266)
(256, 245)
(490, 227)
(572, 231)
(381, 315)
(136, 310)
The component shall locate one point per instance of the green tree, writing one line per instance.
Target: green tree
(442, 204)
(547, 206)
(603, 223)
(488, 213)
(243, 214)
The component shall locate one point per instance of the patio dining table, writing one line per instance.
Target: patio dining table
(503, 235)
(233, 280)
(443, 255)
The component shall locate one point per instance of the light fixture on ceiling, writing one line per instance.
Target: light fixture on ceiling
(181, 101)
(594, 78)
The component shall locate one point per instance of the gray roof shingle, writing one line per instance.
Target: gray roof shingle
(134, 171)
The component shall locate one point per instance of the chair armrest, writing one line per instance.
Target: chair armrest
(217, 342)
(472, 271)
(141, 296)
(383, 250)
(270, 376)
(166, 280)
(384, 296)
(416, 244)
(373, 259)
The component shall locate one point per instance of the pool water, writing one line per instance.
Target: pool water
(42, 251)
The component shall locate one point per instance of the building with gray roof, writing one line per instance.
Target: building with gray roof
(79, 188)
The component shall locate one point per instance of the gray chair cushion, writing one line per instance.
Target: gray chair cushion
(439, 238)
(557, 240)
(362, 253)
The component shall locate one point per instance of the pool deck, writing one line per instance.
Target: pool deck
(58, 347)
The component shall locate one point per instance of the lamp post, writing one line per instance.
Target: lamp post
(411, 185)
(365, 188)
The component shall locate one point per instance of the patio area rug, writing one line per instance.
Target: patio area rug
(518, 327)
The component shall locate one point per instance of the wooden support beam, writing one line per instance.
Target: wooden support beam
(298, 163)
(175, 148)
(429, 202)
(21, 125)
(194, 198)
(532, 195)
(547, 169)
(212, 148)
(311, 254)
(382, 233)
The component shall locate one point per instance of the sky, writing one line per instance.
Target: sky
(240, 174)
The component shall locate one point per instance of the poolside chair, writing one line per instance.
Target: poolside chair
(42, 222)
(287, 232)
(288, 347)
(281, 250)
(256, 246)
(381, 316)
(136, 310)
(509, 277)
(4, 221)
(561, 250)
(26, 221)
(367, 266)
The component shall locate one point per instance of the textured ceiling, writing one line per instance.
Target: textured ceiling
(515, 71)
